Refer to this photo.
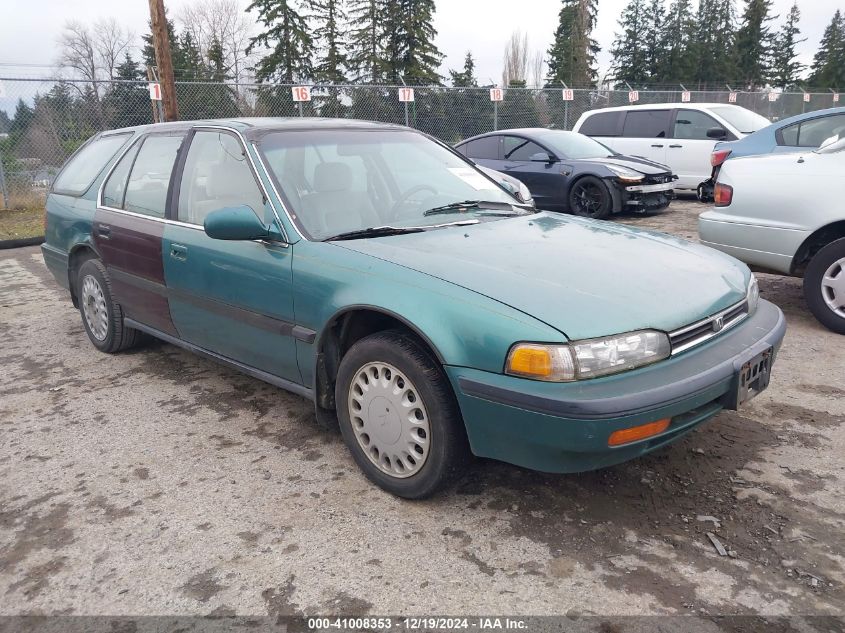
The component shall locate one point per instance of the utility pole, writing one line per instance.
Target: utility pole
(161, 43)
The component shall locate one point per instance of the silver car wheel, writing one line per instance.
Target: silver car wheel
(94, 308)
(833, 287)
(389, 419)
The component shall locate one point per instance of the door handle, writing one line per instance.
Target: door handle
(104, 231)
(676, 146)
(177, 251)
(657, 146)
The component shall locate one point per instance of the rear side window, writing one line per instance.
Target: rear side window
(79, 173)
(146, 190)
(601, 124)
(814, 132)
(115, 187)
(693, 125)
(646, 123)
(484, 148)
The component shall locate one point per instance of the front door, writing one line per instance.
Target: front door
(689, 148)
(522, 159)
(129, 225)
(233, 298)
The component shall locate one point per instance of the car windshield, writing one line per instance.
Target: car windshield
(343, 181)
(743, 120)
(573, 145)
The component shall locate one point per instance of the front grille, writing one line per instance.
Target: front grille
(659, 179)
(696, 333)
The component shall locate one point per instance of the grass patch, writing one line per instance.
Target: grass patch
(19, 224)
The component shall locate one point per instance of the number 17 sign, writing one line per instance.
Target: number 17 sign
(406, 94)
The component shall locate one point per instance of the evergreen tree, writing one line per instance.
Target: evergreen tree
(466, 77)
(128, 104)
(410, 52)
(219, 99)
(21, 121)
(828, 68)
(753, 48)
(469, 110)
(786, 69)
(331, 18)
(677, 44)
(289, 39)
(366, 45)
(629, 49)
(572, 57)
(148, 53)
(655, 25)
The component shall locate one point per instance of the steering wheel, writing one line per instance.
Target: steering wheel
(407, 195)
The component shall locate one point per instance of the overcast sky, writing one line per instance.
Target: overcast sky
(29, 28)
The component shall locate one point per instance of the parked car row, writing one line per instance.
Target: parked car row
(421, 305)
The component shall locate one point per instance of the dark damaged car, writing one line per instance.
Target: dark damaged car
(567, 171)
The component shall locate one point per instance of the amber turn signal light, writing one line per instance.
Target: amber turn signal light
(626, 436)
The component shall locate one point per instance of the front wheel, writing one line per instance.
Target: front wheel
(589, 197)
(824, 286)
(398, 415)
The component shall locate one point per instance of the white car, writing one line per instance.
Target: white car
(785, 213)
(680, 135)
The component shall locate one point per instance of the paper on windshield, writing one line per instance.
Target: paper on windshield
(472, 177)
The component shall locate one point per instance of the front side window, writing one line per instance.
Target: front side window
(78, 175)
(516, 148)
(646, 123)
(814, 132)
(337, 181)
(693, 125)
(216, 175)
(146, 190)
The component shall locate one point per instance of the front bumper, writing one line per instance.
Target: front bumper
(564, 427)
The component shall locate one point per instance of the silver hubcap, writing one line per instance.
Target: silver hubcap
(833, 287)
(94, 307)
(389, 419)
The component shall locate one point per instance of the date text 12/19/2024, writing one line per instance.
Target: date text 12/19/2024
(422, 623)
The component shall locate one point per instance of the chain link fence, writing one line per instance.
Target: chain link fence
(43, 121)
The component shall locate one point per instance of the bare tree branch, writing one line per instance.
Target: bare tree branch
(516, 59)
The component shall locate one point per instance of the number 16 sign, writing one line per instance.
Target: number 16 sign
(301, 93)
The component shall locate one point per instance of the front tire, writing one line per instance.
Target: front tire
(824, 286)
(398, 415)
(589, 197)
(102, 316)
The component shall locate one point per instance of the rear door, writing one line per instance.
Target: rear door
(543, 178)
(233, 298)
(688, 153)
(129, 225)
(486, 151)
(645, 133)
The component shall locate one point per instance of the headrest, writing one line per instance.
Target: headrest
(332, 177)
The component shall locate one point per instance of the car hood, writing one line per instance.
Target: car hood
(642, 165)
(583, 277)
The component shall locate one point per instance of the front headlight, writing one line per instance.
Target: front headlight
(625, 174)
(589, 358)
(753, 294)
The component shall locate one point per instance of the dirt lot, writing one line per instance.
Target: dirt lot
(155, 482)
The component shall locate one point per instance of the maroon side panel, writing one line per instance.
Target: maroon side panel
(131, 250)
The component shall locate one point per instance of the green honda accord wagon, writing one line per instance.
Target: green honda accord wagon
(412, 298)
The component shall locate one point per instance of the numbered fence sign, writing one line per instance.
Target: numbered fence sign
(406, 94)
(633, 96)
(568, 94)
(301, 93)
(496, 94)
(836, 97)
(155, 91)
(773, 96)
(806, 97)
(732, 97)
(685, 96)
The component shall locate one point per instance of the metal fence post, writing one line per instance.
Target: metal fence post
(495, 115)
(4, 186)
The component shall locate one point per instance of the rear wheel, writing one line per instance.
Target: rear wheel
(398, 415)
(102, 316)
(589, 197)
(824, 286)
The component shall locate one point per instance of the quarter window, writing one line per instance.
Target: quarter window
(693, 125)
(486, 148)
(516, 148)
(115, 187)
(813, 132)
(89, 161)
(646, 123)
(146, 191)
(216, 176)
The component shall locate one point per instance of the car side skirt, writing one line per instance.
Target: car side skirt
(276, 381)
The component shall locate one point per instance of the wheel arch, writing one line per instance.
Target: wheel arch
(816, 241)
(607, 180)
(78, 254)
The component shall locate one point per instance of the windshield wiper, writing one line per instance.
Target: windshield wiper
(381, 231)
(471, 204)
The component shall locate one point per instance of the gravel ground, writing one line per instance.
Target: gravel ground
(155, 482)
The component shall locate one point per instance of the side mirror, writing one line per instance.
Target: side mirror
(542, 157)
(829, 141)
(511, 189)
(719, 133)
(235, 223)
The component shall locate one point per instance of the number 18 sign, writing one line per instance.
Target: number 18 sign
(496, 94)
